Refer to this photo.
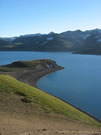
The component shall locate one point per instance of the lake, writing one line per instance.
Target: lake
(79, 83)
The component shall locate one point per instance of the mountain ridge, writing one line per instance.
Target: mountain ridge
(77, 41)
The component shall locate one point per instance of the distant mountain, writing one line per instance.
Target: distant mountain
(78, 41)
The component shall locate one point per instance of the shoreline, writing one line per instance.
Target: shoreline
(36, 85)
(43, 75)
(31, 77)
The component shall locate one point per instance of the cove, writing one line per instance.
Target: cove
(79, 83)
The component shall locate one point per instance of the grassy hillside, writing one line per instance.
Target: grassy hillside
(10, 89)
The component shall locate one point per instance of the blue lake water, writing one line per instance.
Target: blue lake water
(79, 82)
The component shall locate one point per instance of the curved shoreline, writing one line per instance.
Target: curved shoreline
(36, 85)
(31, 77)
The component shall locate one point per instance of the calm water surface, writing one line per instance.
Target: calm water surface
(78, 83)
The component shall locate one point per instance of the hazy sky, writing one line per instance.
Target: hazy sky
(43, 16)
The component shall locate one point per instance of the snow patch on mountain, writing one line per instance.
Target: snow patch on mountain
(50, 38)
(13, 38)
(9, 39)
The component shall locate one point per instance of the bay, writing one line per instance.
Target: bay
(79, 83)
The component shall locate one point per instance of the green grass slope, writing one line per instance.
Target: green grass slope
(50, 104)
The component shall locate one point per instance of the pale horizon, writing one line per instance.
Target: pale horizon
(20, 17)
(47, 33)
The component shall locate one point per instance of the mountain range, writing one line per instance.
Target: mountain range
(83, 42)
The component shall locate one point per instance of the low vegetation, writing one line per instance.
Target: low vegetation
(36, 65)
(33, 96)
